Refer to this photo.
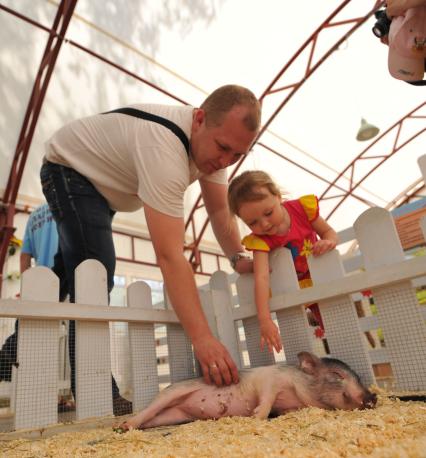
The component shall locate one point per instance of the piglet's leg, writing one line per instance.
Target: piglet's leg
(266, 394)
(171, 416)
(264, 407)
(162, 402)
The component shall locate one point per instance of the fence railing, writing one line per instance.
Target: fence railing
(387, 274)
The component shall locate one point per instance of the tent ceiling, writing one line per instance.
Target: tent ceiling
(316, 65)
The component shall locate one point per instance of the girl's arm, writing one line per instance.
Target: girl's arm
(269, 331)
(327, 234)
(261, 284)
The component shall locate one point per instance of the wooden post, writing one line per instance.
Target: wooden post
(222, 305)
(142, 349)
(398, 310)
(293, 322)
(342, 329)
(92, 345)
(36, 392)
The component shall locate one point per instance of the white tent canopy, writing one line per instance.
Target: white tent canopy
(188, 48)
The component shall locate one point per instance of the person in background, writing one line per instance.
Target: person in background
(294, 224)
(402, 26)
(147, 155)
(41, 244)
(40, 239)
(399, 7)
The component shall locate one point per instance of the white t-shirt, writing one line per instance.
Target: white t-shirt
(131, 160)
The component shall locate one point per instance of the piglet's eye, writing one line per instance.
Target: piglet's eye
(337, 378)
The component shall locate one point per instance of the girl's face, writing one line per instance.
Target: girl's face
(266, 216)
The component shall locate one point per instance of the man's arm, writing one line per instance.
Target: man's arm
(167, 235)
(224, 224)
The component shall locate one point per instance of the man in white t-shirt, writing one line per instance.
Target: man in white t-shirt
(147, 155)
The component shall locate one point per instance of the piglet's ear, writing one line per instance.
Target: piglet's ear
(308, 362)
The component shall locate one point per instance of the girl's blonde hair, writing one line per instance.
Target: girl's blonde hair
(246, 188)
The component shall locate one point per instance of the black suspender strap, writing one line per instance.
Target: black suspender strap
(158, 119)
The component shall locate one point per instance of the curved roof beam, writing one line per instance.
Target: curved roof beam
(314, 174)
(406, 196)
(270, 90)
(310, 44)
(61, 38)
(291, 89)
(47, 64)
(394, 129)
(54, 42)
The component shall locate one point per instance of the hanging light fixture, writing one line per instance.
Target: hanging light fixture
(366, 131)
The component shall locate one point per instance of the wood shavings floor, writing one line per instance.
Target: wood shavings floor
(394, 429)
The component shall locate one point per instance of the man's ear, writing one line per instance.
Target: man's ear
(199, 117)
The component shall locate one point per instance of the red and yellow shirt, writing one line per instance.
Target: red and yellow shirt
(299, 239)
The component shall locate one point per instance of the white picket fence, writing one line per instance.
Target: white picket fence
(387, 273)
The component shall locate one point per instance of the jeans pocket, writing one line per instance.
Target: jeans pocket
(78, 185)
(50, 191)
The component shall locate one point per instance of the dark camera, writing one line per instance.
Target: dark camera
(382, 25)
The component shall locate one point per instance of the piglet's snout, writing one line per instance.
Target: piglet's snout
(369, 401)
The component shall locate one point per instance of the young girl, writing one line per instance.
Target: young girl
(274, 223)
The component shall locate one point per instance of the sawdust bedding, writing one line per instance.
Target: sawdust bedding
(393, 429)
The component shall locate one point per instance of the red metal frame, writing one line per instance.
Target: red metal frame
(305, 169)
(405, 197)
(198, 259)
(57, 36)
(273, 87)
(394, 129)
(61, 37)
(53, 45)
(27, 209)
(8, 225)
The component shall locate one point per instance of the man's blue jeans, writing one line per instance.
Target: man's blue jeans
(84, 221)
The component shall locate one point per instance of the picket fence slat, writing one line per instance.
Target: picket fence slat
(341, 322)
(36, 389)
(92, 345)
(142, 348)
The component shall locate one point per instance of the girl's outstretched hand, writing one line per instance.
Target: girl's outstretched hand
(270, 336)
(322, 247)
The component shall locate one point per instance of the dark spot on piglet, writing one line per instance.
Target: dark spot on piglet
(223, 408)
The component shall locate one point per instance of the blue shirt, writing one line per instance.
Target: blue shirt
(41, 236)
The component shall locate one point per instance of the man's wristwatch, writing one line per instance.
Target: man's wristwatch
(237, 256)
